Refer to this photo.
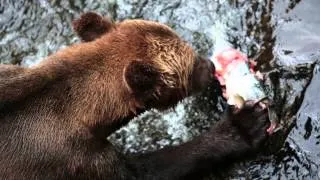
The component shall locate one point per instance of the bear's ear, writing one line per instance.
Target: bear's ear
(90, 26)
(141, 77)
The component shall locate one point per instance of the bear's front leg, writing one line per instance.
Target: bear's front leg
(237, 136)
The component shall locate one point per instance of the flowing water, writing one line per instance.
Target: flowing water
(281, 35)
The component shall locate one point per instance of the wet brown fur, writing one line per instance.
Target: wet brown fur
(55, 116)
(94, 71)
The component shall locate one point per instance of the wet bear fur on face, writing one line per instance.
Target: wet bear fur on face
(55, 116)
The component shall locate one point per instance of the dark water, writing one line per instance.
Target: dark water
(282, 36)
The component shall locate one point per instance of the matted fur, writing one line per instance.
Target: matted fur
(175, 62)
(173, 57)
(55, 116)
(94, 88)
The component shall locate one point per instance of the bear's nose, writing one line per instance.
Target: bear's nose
(210, 65)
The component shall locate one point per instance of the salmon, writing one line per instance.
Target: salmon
(241, 83)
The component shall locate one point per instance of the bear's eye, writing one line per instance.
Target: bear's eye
(141, 76)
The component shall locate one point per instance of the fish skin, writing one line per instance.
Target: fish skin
(233, 71)
(241, 84)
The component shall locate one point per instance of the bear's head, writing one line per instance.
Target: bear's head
(156, 66)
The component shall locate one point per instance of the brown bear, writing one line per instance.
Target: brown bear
(55, 116)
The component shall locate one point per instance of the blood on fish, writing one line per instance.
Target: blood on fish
(231, 60)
